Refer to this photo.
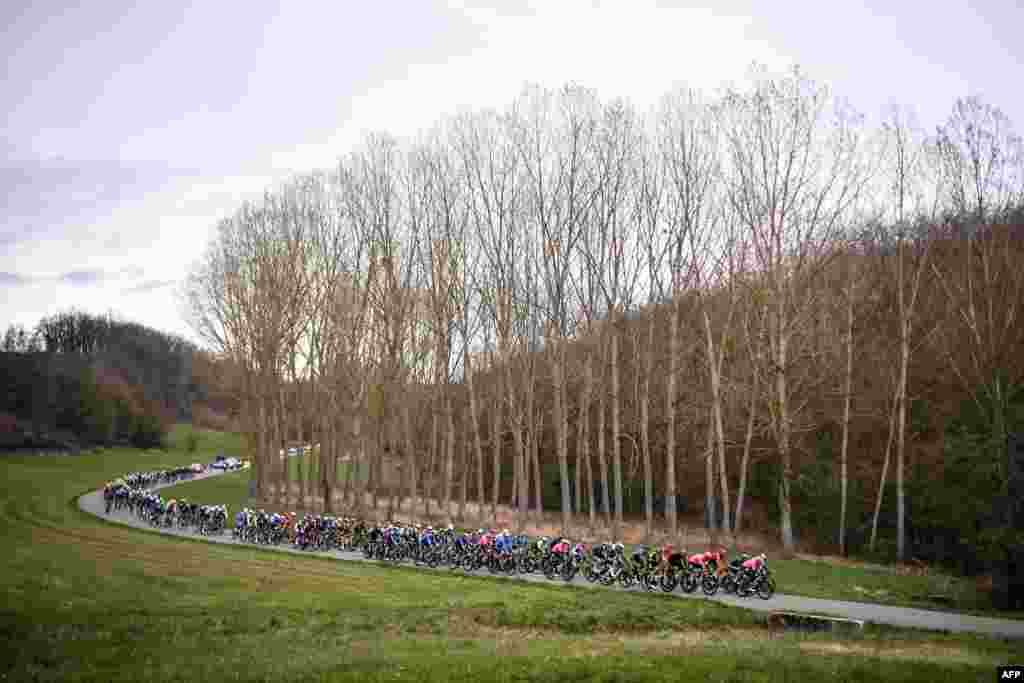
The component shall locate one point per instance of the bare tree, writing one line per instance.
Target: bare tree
(610, 258)
(794, 180)
(981, 160)
(556, 139)
(686, 137)
(755, 316)
(907, 169)
(980, 287)
(648, 209)
(494, 175)
(849, 296)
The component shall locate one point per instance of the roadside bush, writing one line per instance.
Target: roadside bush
(139, 421)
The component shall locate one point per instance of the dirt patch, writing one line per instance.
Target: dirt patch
(477, 623)
(890, 650)
(836, 560)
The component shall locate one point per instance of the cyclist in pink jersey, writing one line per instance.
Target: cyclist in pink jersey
(755, 562)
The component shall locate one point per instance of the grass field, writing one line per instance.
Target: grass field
(87, 600)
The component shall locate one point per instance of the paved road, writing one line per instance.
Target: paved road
(867, 612)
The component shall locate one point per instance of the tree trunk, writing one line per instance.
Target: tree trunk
(478, 448)
(377, 462)
(561, 432)
(645, 428)
(522, 444)
(449, 460)
(670, 411)
(283, 438)
(901, 428)
(411, 461)
(715, 357)
(847, 398)
(710, 509)
(464, 446)
(885, 471)
(616, 427)
(331, 445)
(578, 472)
(496, 430)
(362, 424)
(602, 460)
(428, 487)
(325, 464)
(785, 453)
(536, 429)
(261, 445)
(352, 447)
(302, 465)
(747, 441)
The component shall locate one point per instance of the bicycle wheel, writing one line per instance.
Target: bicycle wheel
(766, 588)
(709, 584)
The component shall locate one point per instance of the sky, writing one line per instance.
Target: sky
(129, 130)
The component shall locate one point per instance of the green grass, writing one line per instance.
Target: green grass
(208, 442)
(883, 586)
(233, 488)
(311, 469)
(88, 600)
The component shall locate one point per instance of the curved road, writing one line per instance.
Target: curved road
(867, 612)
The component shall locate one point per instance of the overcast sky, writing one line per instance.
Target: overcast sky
(129, 130)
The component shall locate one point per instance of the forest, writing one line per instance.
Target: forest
(77, 380)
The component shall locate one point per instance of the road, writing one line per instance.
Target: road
(870, 613)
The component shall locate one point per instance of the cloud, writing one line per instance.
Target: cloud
(57, 199)
(97, 276)
(148, 286)
(83, 278)
(12, 280)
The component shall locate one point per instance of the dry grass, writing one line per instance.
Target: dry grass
(931, 652)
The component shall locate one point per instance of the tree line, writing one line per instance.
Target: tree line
(102, 379)
(570, 295)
